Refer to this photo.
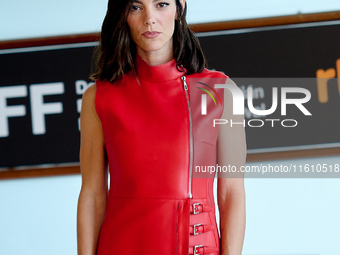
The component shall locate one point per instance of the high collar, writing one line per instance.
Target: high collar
(160, 73)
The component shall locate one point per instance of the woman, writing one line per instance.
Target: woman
(143, 119)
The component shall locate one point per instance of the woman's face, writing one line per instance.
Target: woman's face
(152, 25)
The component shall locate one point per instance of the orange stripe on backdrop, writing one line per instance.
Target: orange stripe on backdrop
(38, 172)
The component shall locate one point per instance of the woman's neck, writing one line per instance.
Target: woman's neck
(156, 58)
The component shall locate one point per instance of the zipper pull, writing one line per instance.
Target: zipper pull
(184, 82)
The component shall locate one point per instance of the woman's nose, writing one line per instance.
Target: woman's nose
(149, 18)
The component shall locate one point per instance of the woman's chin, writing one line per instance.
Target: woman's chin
(152, 48)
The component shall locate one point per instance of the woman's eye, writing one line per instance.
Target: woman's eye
(135, 7)
(163, 4)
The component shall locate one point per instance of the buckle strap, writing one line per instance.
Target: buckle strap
(198, 208)
(199, 229)
(202, 249)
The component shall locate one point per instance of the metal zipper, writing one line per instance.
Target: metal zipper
(191, 139)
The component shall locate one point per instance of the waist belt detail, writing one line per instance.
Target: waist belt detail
(198, 208)
(199, 229)
(202, 249)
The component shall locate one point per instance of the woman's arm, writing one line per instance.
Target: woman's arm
(232, 151)
(93, 195)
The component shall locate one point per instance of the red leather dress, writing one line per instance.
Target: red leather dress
(155, 136)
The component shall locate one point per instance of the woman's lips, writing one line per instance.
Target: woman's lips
(151, 35)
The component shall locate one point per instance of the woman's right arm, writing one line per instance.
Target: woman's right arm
(94, 189)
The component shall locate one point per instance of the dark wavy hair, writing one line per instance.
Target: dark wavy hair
(116, 52)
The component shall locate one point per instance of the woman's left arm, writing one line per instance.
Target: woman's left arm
(232, 151)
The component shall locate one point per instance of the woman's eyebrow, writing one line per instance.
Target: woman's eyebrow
(139, 2)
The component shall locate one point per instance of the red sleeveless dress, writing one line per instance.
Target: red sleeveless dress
(155, 137)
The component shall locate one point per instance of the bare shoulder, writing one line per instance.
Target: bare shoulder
(90, 93)
(231, 92)
(230, 81)
(231, 84)
(88, 114)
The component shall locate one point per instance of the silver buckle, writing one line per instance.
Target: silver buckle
(196, 251)
(196, 233)
(193, 208)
